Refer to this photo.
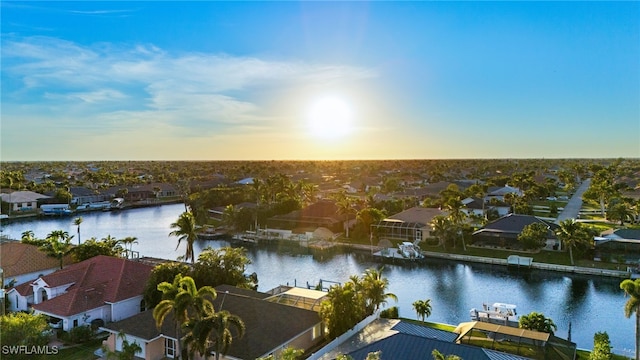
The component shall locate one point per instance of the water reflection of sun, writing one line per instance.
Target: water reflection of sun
(330, 118)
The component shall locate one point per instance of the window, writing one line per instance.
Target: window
(75, 323)
(170, 348)
(142, 306)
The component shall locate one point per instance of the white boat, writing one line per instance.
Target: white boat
(496, 313)
(116, 204)
(410, 251)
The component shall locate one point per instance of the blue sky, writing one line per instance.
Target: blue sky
(319, 80)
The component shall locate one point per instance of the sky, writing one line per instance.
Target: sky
(315, 80)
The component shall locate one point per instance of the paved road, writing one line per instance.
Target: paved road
(572, 209)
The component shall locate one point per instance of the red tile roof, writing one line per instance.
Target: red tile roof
(96, 281)
(17, 258)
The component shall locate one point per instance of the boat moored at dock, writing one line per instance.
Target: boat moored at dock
(496, 313)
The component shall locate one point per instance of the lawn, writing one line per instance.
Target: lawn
(77, 352)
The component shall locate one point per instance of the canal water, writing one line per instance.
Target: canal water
(589, 303)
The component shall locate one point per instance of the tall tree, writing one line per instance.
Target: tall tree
(342, 308)
(58, 245)
(226, 265)
(129, 240)
(620, 211)
(375, 288)
(441, 228)
(345, 208)
(422, 308)
(185, 301)
(77, 221)
(571, 234)
(213, 332)
(632, 289)
(185, 229)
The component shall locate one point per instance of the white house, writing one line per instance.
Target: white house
(22, 200)
(103, 287)
(21, 263)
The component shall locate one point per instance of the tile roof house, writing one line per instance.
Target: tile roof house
(22, 263)
(102, 287)
(270, 327)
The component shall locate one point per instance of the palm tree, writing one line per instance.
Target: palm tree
(620, 211)
(441, 228)
(374, 288)
(185, 230)
(185, 301)
(213, 331)
(58, 245)
(570, 234)
(129, 240)
(422, 308)
(632, 288)
(345, 207)
(77, 221)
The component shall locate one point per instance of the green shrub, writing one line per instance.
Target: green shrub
(79, 334)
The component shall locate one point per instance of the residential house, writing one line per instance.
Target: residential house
(407, 341)
(504, 231)
(498, 193)
(143, 192)
(410, 225)
(102, 287)
(269, 327)
(323, 213)
(479, 208)
(622, 245)
(83, 195)
(22, 200)
(22, 263)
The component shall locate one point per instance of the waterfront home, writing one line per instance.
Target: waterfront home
(410, 225)
(22, 263)
(270, 326)
(323, 213)
(622, 245)
(504, 231)
(83, 195)
(407, 341)
(498, 193)
(102, 287)
(22, 200)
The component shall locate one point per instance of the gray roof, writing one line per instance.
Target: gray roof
(631, 234)
(22, 196)
(410, 347)
(424, 331)
(514, 224)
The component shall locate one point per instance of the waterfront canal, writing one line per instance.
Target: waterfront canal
(590, 303)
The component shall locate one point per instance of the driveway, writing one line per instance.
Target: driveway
(572, 209)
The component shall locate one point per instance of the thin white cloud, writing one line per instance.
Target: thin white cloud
(109, 88)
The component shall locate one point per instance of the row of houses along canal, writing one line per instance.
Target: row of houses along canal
(589, 303)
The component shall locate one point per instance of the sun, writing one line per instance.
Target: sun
(330, 118)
